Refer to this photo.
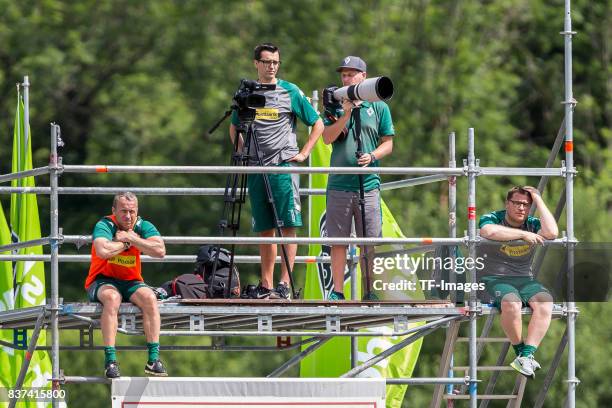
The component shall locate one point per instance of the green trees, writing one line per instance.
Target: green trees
(141, 82)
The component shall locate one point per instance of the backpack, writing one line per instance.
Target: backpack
(217, 282)
(187, 286)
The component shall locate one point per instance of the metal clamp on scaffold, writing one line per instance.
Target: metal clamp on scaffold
(564, 170)
(476, 170)
(572, 102)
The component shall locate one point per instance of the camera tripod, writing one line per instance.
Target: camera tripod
(235, 189)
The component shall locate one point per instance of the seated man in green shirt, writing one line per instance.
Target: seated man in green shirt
(507, 272)
(115, 275)
(343, 194)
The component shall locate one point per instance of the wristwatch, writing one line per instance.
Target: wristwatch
(372, 157)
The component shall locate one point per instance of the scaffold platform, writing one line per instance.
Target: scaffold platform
(243, 317)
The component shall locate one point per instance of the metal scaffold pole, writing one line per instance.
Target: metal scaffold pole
(569, 103)
(54, 243)
(452, 233)
(452, 206)
(472, 164)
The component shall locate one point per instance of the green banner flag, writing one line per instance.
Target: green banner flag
(29, 275)
(333, 358)
(7, 302)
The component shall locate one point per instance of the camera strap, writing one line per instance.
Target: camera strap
(356, 122)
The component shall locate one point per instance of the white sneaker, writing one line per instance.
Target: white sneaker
(525, 366)
(536, 365)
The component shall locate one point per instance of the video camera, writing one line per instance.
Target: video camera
(246, 101)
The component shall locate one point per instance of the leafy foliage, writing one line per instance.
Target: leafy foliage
(141, 82)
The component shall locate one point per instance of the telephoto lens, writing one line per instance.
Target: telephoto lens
(371, 90)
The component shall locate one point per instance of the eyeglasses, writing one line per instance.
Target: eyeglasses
(267, 63)
(520, 204)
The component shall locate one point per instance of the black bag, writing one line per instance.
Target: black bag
(217, 283)
(206, 258)
(187, 286)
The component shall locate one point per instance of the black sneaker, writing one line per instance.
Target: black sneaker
(282, 291)
(256, 292)
(111, 370)
(156, 368)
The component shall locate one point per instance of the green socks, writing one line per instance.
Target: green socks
(528, 350)
(110, 354)
(153, 351)
(518, 347)
(524, 350)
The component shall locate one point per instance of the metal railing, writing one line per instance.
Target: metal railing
(471, 170)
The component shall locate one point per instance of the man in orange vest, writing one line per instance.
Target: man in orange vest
(115, 275)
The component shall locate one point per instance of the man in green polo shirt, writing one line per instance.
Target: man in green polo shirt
(507, 272)
(275, 128)
(115, 275)
(343, 189)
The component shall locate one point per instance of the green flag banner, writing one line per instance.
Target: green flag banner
(29, 275)
(333, 358)
(7, 302)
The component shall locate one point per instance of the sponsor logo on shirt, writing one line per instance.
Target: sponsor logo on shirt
(267, 114)
(129, 261)
(519, 250)
(370, 111)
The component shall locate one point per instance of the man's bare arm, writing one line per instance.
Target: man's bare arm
(501, 233)
(333, 131)
(106, 249)
(384, 148)
(152, 246)
(549, 228)
(314, 135)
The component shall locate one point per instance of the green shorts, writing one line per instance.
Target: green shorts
(523, 287)
(126, 288)
(286, 195)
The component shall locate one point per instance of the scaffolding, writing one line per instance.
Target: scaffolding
(317, 320)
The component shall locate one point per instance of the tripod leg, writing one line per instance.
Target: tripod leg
(364, 248)
(290, 250)
(234, 196)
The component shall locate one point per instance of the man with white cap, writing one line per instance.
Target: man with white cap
(343, 190)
